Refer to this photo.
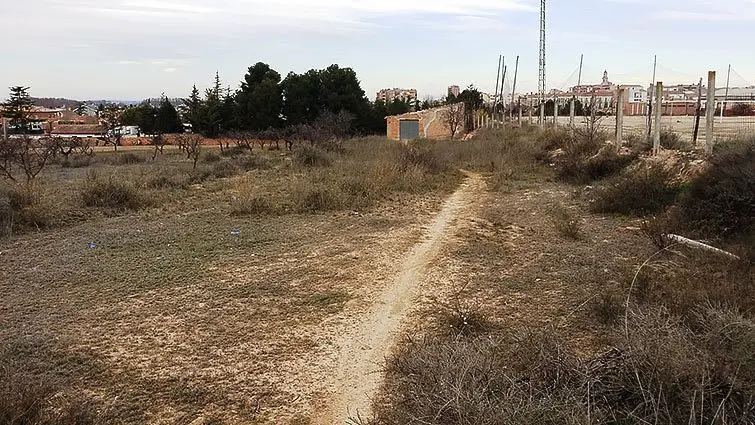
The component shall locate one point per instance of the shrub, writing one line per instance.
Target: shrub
(252, 205)
(211, 157)
(251, 162)
(721, 201)
(224, 169)
(22, 207)
(309, 156)
(76, 161)
(608, 306)
(644, 190)
(129, 158)
(112, 194)
(233, 151)
(421, 157)
(168, 180)
(25, 400)
(566, 224)
(317, 198)
(578, 170)
(673, 141)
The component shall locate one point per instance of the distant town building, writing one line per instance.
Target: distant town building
(389, 95)
(454, 91)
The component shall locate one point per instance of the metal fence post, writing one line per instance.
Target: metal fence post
(619, 118)
(710, 112)
(657, 123)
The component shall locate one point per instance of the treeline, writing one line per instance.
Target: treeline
(266, 101)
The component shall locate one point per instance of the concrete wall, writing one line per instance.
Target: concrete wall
(431, 124)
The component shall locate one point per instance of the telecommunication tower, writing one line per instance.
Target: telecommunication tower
(541, 81)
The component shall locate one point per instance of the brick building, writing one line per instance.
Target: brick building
(428, 124)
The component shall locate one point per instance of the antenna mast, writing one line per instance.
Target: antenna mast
(541, 87)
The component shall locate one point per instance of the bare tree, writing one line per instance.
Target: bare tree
(453, 117)
(111, 120)
(192, 145)
(158, 141)
(25, 153)
(590, 131)
(244, 139)
(8, 155)
(72, 145)
(272, 135)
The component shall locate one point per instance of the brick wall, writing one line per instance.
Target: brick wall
(431, 124)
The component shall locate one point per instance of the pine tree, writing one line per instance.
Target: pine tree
(18, 108)
(196, 106)
(167, 118)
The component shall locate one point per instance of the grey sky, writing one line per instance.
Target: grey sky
(130, 49)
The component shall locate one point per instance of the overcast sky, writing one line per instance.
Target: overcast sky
(132, 49)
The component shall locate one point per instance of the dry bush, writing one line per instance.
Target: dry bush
(661, 370)
(224, 169)
(566, 224)
(25, 399)
(211, 157)
(641, 191)
(252, 162)
(682, 282)
(578, 169)
(112, 194)
(22, 207)
(168, 179)
(253, 204)
(673, 141)
(608, 306)
(481, 380)
(76, 161)
(420, 156)
(460, 317)
(721, 201)
(309, 156)
(127, 158)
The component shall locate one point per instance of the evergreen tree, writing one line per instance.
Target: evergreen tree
(212, 118)
(167, 119)
(259, 102)
(147, 118)
(302, 100)
(196, 109)
(18, 108)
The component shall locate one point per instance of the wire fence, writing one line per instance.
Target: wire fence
(684, 115)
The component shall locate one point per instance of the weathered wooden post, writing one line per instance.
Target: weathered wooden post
(657, 123)
(710, 112)
(619, 118)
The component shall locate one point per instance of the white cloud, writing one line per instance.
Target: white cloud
(170, 69)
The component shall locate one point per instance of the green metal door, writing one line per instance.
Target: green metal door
(408, 129)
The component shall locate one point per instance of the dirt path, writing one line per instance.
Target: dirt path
(363, 350)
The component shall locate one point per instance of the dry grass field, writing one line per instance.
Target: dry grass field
(368, 282)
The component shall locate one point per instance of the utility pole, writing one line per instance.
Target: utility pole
(572, 105)
(497, 80)
(650, 98)
(698, 110)
(726, 96)
(513, 89)
(503, 81)
(541, 77)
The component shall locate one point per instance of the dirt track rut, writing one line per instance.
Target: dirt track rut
(362, 352)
